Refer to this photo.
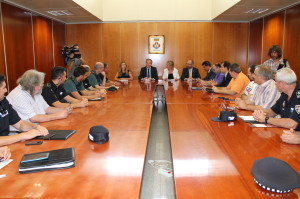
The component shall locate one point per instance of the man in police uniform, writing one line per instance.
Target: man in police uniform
(288, 105)
(8, 116)
(74, 85)
(55, 94)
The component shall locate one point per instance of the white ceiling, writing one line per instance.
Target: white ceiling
(237, 12)
(155, 10)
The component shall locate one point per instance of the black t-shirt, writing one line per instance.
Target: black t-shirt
(289, 108)
(124, 75)
(8, 116)
(170, 76)
(52, 93)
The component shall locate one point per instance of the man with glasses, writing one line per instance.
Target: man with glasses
(190, 72)
(237, 84)
(266, 93)
(287, 106)
(8, 116)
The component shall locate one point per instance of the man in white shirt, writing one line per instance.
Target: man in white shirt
(266, 93)
(27, 100)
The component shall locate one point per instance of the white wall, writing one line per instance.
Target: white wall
(156, 10)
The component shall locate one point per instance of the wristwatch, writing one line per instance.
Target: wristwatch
(266, 120)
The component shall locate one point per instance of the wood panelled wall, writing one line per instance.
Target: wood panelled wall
(282, 28)
(200, 41)
(30, 42)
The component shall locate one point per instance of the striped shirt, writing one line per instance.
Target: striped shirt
(266, 94)
(274, 66)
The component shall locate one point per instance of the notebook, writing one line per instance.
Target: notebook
(58, 159)
(57, 135)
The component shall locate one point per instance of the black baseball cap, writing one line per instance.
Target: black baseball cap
(98, 134)
(275, 175)
(225, 116)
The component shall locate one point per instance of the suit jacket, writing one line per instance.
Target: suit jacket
(185, 73)
(143, 73)
(210, 75)
(225, 81)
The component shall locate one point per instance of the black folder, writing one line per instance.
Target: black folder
(57, 135)
(58, 159)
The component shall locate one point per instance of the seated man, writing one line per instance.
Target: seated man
(96, 78)
(8, 116)
(190, 72)
(266, 93)
(210, 73)
(27, 100)
(225, 70)
(91, 85)
(104, 78)
(287, 106)
(251, 87)
(237, 84)
(74, 85)
(216, 68)
(148, 71)
(55, 94)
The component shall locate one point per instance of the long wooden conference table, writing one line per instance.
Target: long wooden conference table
(210, 159)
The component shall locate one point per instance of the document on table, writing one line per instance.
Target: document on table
(262, 125)
(4, 163)
(247, 118)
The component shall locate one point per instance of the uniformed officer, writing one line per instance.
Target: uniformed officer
(287, 106)
(74, 85)
(8, 116)
(55, 94)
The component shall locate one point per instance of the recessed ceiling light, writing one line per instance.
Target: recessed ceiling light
(59, 12)
(254, 11)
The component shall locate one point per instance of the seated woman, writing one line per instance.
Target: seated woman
(123, 73)
(170, 72)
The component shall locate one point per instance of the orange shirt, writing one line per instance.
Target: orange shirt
(239, 83)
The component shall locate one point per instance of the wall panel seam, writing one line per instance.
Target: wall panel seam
(4, 48)
(32, 35)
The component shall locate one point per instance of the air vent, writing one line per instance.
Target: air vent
(255, 11)
(59, 12)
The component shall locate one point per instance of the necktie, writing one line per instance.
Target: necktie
(148, 72)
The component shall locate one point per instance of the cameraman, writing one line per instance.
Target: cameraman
(74, 59)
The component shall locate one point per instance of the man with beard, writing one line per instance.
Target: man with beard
(55, 94)
(276, 62)
(8, 116)
(27, 100)
(74, 85)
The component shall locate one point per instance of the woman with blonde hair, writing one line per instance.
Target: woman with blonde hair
(123, 73)
(170, 72)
